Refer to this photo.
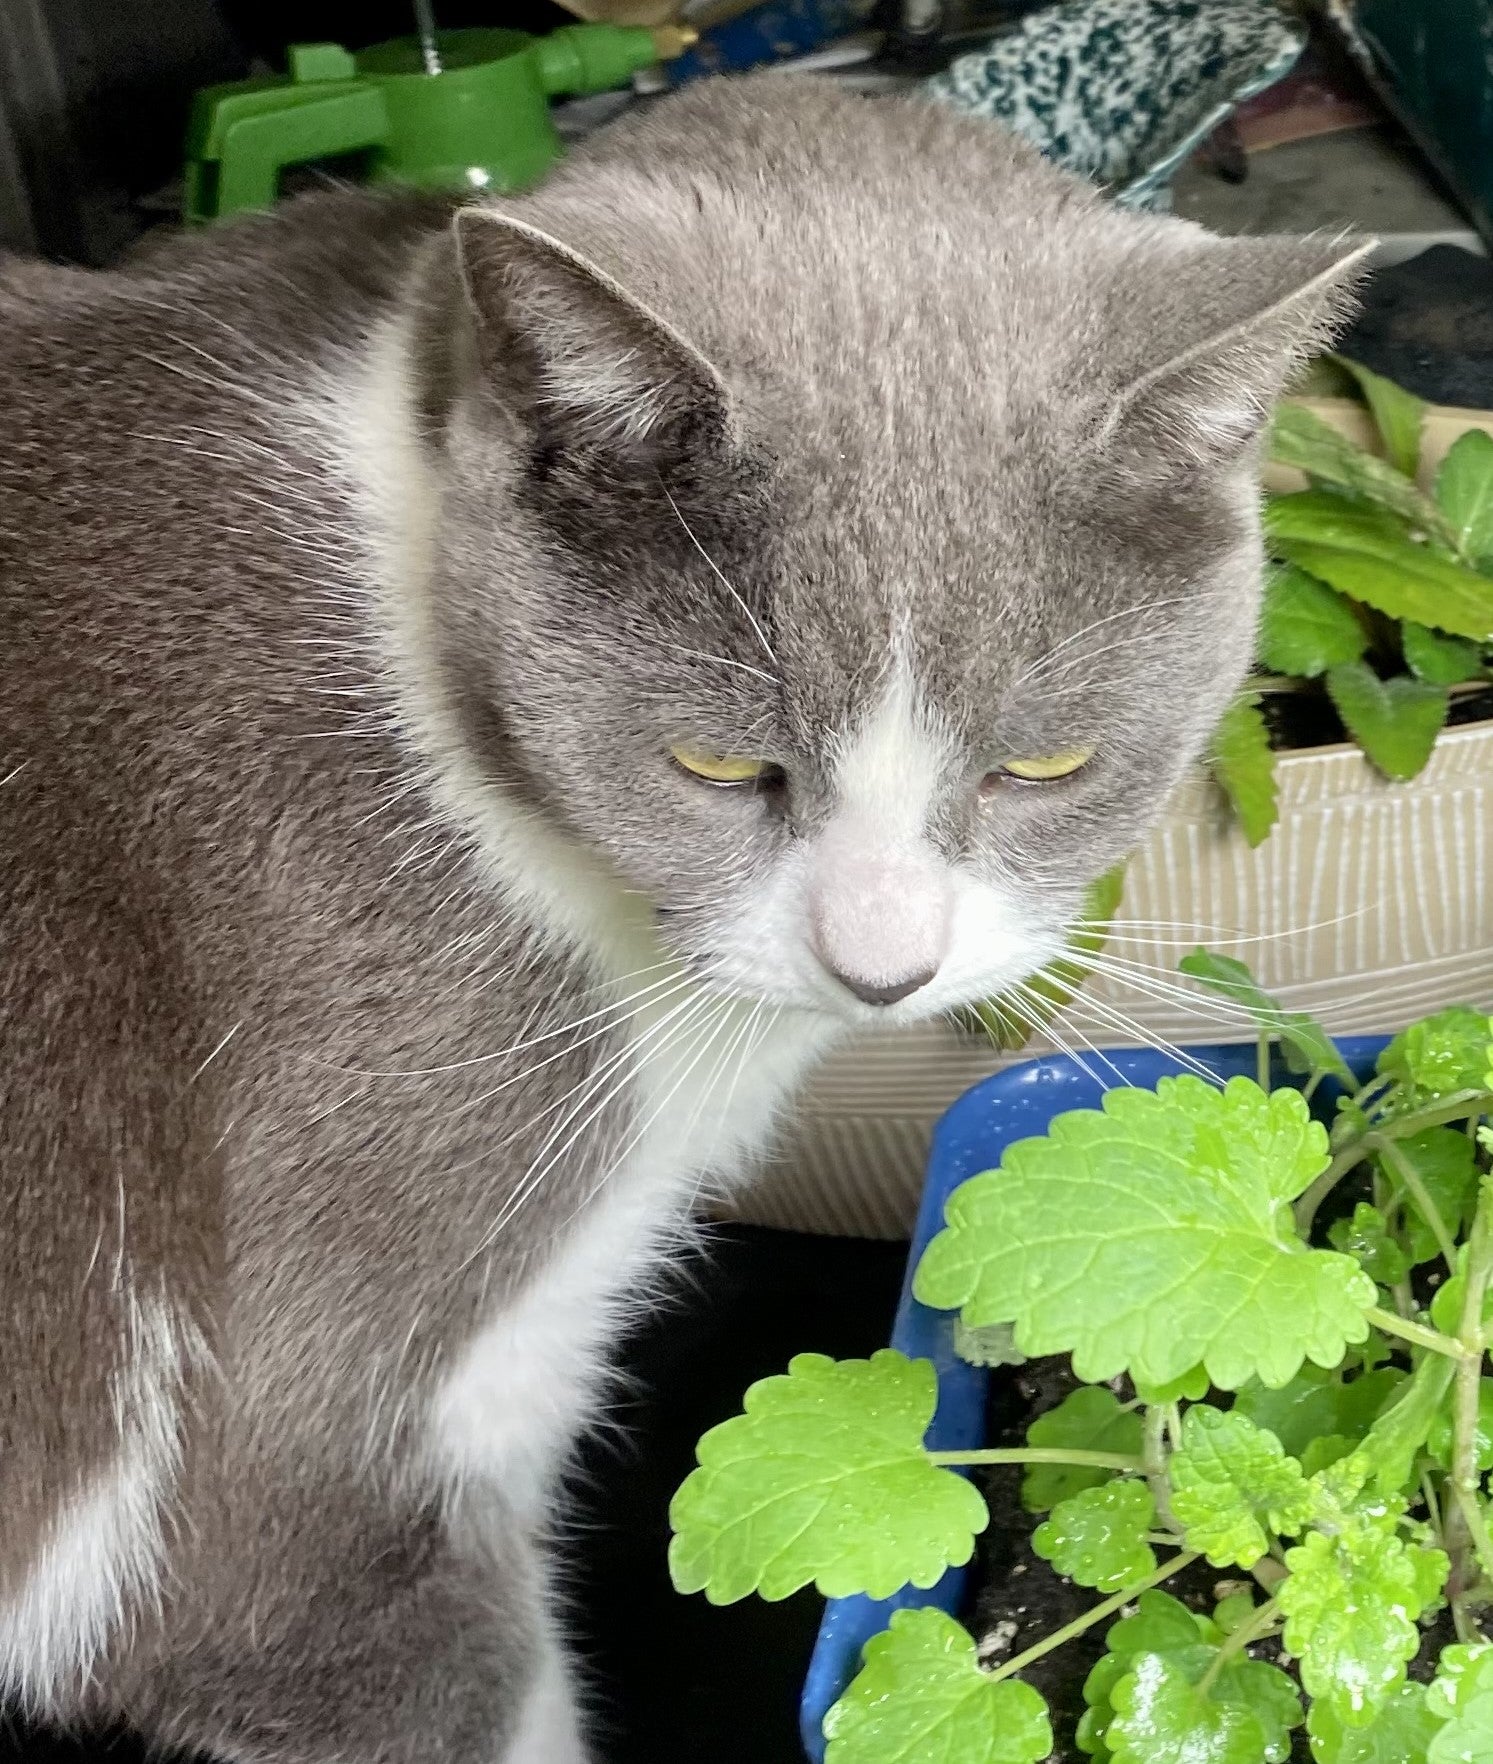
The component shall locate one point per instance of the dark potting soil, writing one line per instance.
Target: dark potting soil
(1016, 1599)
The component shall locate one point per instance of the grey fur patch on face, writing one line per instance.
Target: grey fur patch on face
(869, 431)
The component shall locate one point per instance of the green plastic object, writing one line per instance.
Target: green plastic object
(480, 121)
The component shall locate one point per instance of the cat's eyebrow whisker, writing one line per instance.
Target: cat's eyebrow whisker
(720, 576)
(1124, 612)
(724, 660)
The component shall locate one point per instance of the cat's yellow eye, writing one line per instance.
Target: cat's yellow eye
(722, 768)
(1047, 768)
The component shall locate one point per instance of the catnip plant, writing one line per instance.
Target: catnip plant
(1281, 1330)
(1379, 595)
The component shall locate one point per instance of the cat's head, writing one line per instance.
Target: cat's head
(850, 527)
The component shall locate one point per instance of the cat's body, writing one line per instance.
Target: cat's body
(356, 1059)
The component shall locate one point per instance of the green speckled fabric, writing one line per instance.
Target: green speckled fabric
(1123, 91)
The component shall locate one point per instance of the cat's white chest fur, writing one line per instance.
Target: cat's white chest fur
(509, 1410)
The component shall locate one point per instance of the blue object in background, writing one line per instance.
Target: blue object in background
(775, 32)
(1018, 1103)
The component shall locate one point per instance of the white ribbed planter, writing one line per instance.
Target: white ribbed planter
(1369, 905)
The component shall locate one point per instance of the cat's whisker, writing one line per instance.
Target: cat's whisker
(1112, 1018)
(1035, 669)
(724, 661)
(721, 577)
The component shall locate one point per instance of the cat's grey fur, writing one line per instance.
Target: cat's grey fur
(360, 569)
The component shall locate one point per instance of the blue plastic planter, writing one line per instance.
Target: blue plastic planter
(1015, 1104)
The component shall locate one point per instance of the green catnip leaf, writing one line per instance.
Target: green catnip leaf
(1351, 1600)
(1438, 1056)
(1401, 1730)
(1468, 1737)
(1300, 438)
(1369, 556)
(1090, 1419)
(1164, 1627)
(1365, 1236)
(823, 1479)
(1464, 493)
(1446, 1163)
(1398, 414)
(1464, 1671)
(1244, 766)
(1394, 721)
(1439, 1438)
(1305, 626)
(921, 1696)
(1233, 1486)
(1098, 1537)
(995, 1346)
(1444, 661)
(1394, 1442)
(1200, 1181)
(1305, 1045)
(1162, 1717)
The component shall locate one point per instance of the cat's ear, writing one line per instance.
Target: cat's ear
(1255, 309)
(574, 355)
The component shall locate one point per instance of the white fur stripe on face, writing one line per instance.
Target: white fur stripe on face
(880, 896)
(103, 1556)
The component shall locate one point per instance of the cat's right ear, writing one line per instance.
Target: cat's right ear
(572, 356)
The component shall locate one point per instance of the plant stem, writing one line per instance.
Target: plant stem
(1236, 1643)
(1418, 1333)
(1153, 1448)
(1041, 1455)
(1450, 1108)
(1410, 1176)
(1464, 1478)
(1262, 1059)
(1116, 1602)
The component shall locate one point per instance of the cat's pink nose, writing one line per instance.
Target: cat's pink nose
(885, 992)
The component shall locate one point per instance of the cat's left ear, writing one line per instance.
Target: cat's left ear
(1254, 309)
(574, 356)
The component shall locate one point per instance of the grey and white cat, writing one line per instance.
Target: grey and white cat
(485, 703)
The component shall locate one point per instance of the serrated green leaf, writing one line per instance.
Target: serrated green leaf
(1399, 1733)
(1155, 1235)
(921, 1696)
(1438, 1056)
(1305, 626)
(1300, 438)
(823, 1479)
(1366, 554)
(995, 1346)
(1464, 492)
(1394, 1442)
(1161, 1717)
(1326, 1450)
(1317, 1403)
(1163, 1627)
(1160, 1624)
(1446, 1162)
(1089, 1419)
(1191, 1387)
(1398, 414)
(1234, 1609)
(1464, 1671)
(1394, 721)
(1244, 766)
(1444, 661)
(1233, 1485)
(1365, 1236)
(1351, 1600)
(1306, 1046)
(1098, 1537)
(1468, 1737)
